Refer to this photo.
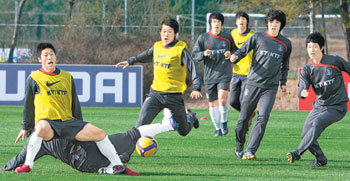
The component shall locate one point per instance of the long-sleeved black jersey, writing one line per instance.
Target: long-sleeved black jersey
(270, 62)
(326, 80)
(186, 60)
(82, 156)
(216, 67)
(33, 88)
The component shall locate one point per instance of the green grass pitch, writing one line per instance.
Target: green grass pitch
(198, 156)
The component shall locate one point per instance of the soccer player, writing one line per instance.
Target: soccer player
(241, 69)
(171, 61)
(51, 106)
(86, 156)
(324, 74)
(268, 71)
(214, 48)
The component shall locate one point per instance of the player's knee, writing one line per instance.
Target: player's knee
(213, 103)
(100, 134)
(43, 129)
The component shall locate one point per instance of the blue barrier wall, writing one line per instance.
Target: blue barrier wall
(96, 85)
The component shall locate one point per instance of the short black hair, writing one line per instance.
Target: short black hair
(43, 46)
(315, 37)
(216, 15)
(242, 14)
(170, 22)
(278, 15)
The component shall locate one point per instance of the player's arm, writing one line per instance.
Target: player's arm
(76, 109)
(343, 65)
(233, 47)
(198, 51)
(304, 83)
(144, 57)
(244, 50)
(285, 67)
(186, 60)
(28, 108)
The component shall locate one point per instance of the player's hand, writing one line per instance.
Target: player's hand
(233, 58)
(227, 54)
(207, 53)
(22, 134)
(304, 93)
(124, 63)
(284, 89)
(195, 95)
(128, 171)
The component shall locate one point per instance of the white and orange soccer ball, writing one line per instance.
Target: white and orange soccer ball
(146, 146)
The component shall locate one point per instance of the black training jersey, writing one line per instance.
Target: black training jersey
(82, 156)
(270, 62)
(326, 80)
(216, 67)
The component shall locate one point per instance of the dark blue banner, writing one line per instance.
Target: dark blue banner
(96, 85)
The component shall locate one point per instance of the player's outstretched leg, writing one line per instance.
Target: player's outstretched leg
(223, 113)
(249, 156)
(292, 156)
(215, 117)
(116, 169)
(250, 121)
(22, 168)
(318, 163)
(169, 119)
(193, 118)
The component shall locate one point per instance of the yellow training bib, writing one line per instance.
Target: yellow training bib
(169, 74)
(243, 66)
(55, 98)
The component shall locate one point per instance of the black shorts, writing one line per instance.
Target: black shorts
(66, 129)
(213, 89)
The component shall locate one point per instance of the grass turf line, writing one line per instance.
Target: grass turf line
(198, 156)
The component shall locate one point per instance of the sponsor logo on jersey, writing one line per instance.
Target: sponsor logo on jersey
(164, 65)
(240, 43)
(51, 84)
(209, 45)
(162, 56)
(280, 48)
(56, 92)
(220, 51)
(270, 54)
(325, 83)
(328, 71)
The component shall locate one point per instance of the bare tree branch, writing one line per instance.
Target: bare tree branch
(15, 30)
(344, 12)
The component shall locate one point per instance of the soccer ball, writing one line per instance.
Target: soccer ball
(146, 146)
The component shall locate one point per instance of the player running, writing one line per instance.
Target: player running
(171, 61)
(269, 69)
(86, 156)
(214, 48)
(240, 70)
(51, 105)
(324, 74)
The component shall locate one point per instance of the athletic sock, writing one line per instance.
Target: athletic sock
(33, 148)
(107, 149)
(154, 129)
(223, 113)
(215, 116)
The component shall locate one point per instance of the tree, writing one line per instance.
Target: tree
(344, 13)
(15, 30)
